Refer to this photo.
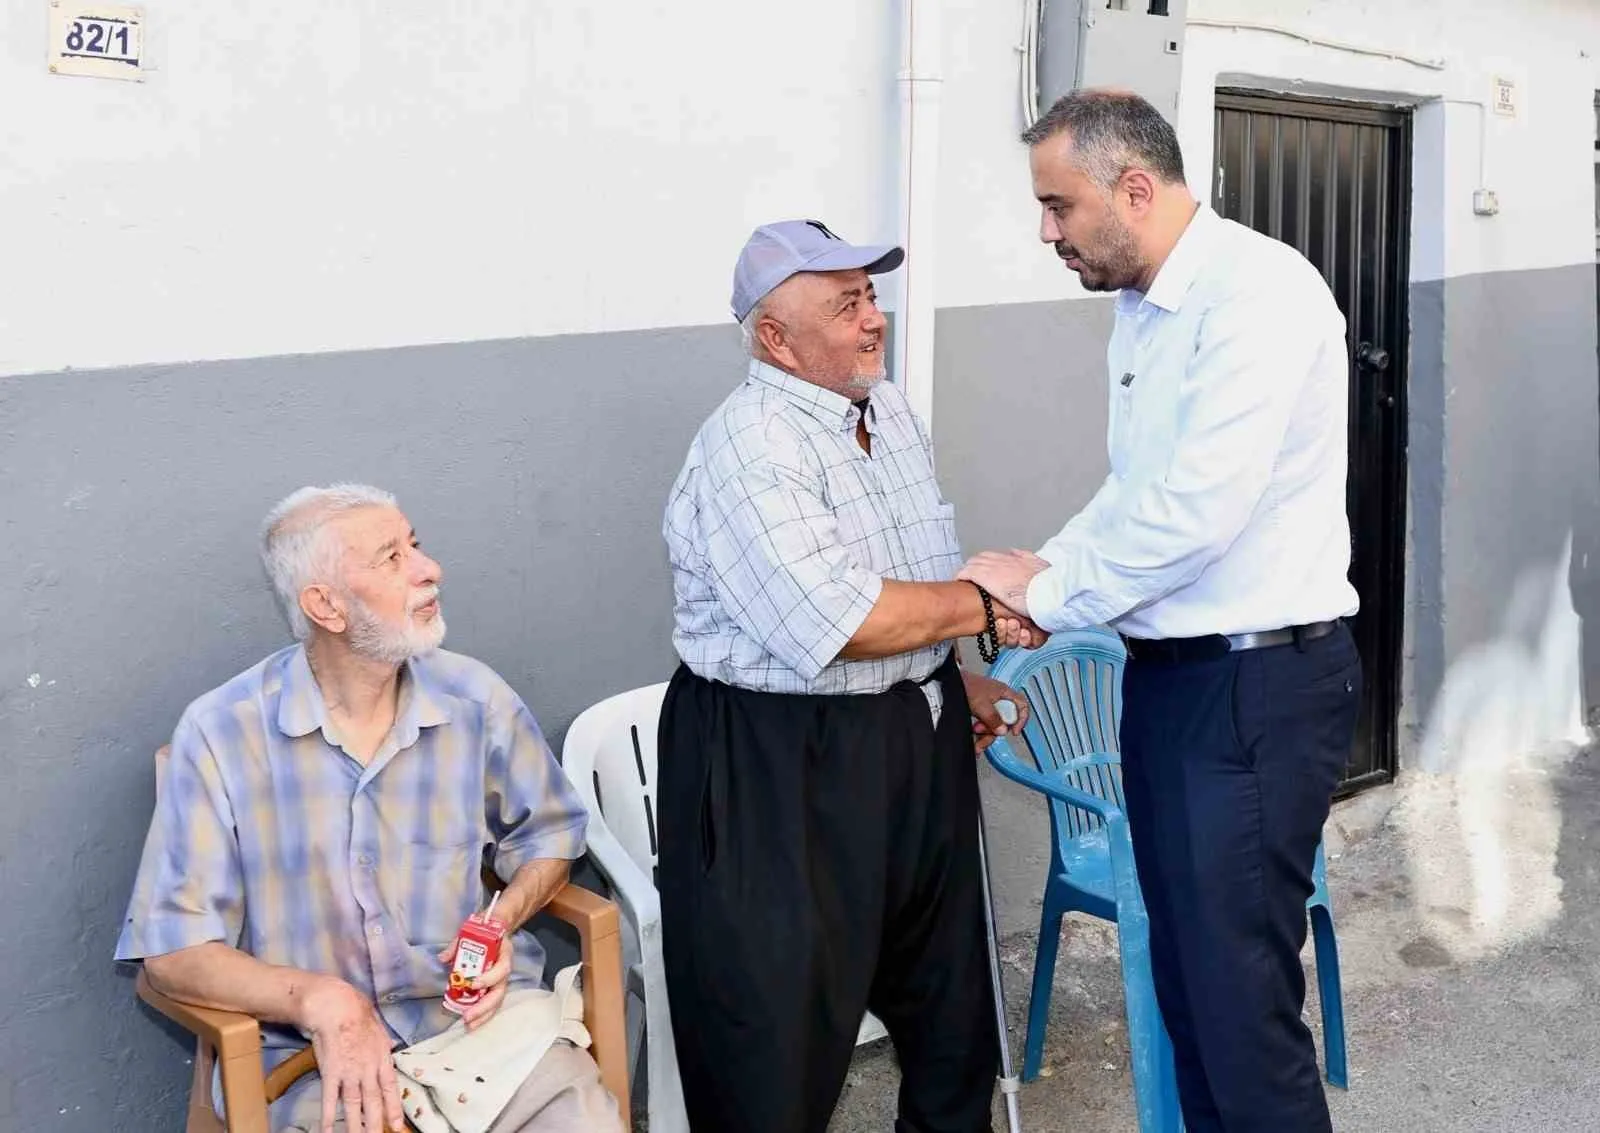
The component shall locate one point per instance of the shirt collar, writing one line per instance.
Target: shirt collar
(426, 706)
(1182, 267)
(833, 409)
(301, 709)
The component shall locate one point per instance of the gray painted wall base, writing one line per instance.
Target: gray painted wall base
(1019, 417)
(536, 471)
(1504, 506)
(1504, 471)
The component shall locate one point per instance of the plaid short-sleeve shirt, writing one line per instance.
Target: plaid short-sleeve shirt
(781, 532)
(269, 837)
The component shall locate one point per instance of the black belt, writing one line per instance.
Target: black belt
(1212, 646)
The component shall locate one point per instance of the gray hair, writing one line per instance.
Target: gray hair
(747, 328)
(294, 546)
(1112, 132)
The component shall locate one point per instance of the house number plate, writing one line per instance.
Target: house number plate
(101, 42)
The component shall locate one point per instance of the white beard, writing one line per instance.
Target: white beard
(861, 385)
(375, 640)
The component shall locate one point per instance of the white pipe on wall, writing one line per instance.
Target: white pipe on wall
(920, 78)
(1432, 64)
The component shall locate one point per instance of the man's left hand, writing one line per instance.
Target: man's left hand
(982, 693)
(494, 983)
(1005, 574)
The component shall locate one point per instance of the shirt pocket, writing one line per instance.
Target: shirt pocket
(441, 887)
(443, 851)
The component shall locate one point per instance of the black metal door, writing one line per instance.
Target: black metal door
(1332, 179)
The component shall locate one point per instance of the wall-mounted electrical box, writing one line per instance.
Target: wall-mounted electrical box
(1134, 44)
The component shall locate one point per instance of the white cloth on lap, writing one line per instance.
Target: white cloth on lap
(460, 1080)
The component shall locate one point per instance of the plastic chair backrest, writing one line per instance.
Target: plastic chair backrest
(610, 756)
(1074, 688)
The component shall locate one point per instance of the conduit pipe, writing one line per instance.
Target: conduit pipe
(920, 79)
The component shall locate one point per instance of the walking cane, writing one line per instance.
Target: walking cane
(1009, 1083)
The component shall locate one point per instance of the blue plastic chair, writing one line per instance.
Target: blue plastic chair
(1074, 690)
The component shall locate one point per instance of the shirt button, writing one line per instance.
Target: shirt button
(391, 998)
(377, 930)
(365, 861)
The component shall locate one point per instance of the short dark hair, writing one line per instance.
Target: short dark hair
(1112, 131)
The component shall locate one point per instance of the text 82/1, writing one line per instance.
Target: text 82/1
(101, 39)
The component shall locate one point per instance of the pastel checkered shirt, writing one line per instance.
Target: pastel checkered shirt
(267, 836)
(781, 530)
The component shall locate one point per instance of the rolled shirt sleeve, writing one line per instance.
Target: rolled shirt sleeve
(531, 808)
(190, 887)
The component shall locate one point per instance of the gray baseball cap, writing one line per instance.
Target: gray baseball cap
(774, 252)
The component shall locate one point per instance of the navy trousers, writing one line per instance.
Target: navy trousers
(1229, 767)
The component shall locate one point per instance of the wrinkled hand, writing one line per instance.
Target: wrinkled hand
(494, 982)
(353, 1057)
(1004, 574)
(982, 693)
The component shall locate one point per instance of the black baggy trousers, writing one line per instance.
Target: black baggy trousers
(819, 857)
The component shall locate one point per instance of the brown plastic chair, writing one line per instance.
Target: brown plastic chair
(233, 1040)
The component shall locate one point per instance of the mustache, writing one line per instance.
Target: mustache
(1065, 250)
(422, 599)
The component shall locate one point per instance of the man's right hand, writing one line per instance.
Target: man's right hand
(353, 1058)
(1013, 628)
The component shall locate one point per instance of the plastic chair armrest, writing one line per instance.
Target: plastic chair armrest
(599, 926)
(1005, 761)
(231, 1032)
(633, 888)
(236, 1040)
(290, 1071)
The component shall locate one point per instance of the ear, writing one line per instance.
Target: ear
(1137, 190)
(322, 608)
(774, 339)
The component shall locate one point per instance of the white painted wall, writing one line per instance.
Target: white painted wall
(309, 178)
(989, 250)
(1540, 162)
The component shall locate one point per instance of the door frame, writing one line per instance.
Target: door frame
(1390, 633)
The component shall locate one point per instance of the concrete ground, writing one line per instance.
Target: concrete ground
(1468, 913)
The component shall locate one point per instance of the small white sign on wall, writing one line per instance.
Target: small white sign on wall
(1505, 97)
(95, 40)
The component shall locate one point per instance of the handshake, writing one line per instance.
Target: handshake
(1005, 575)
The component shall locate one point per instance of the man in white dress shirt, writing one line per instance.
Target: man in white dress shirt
(1219, 547)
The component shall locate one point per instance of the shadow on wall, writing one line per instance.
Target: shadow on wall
(1479, 815)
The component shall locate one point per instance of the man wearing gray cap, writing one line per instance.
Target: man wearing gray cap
(818, 794)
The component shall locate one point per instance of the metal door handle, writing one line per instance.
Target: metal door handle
(1372, 357)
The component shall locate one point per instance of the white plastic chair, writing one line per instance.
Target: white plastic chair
(610, 756)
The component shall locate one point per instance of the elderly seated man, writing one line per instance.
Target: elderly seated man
(319, 832)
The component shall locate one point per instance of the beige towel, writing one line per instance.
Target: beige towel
(459, 1081)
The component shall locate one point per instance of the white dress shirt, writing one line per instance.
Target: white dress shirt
(1225, 508)
(781, 531)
